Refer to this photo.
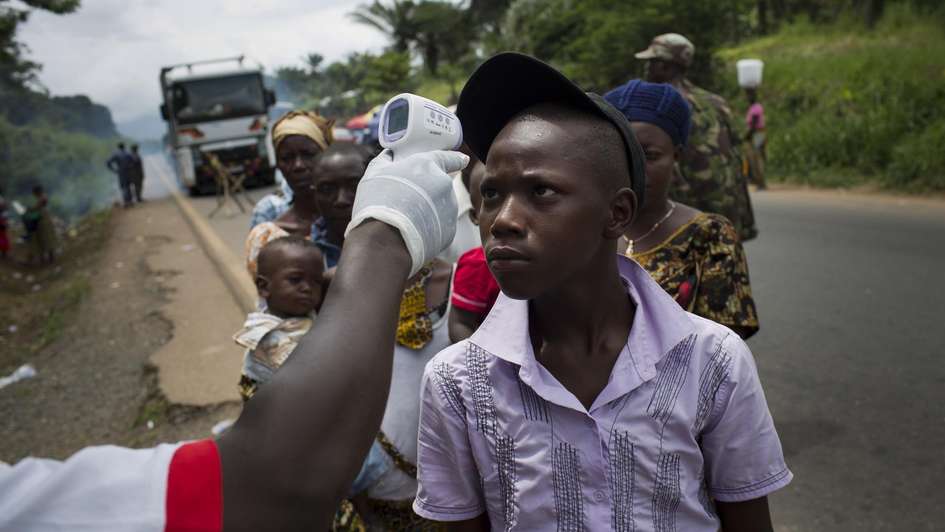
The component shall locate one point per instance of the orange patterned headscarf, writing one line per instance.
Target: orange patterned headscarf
(305, 123)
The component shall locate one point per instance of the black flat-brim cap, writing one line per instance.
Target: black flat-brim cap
(509, 83)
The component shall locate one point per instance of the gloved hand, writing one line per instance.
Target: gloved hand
(415, 195)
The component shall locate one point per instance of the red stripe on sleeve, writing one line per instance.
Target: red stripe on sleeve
(195, 489)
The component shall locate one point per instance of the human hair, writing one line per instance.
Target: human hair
(38, 189)
(466, 173)
(345, 149)
(606, 152)
(269, 254)
(121, 145)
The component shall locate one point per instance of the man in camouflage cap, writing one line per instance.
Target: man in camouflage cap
(711, 178)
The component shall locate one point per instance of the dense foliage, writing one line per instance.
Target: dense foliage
(846, 106)
(853, 88)
(593, 41)
(60, 142)
(69, 165)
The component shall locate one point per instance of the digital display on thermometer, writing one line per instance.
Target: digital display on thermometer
(397, 119)
(413, 124)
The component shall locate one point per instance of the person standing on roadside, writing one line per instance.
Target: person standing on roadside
(120, 163)
(40, 228)
(299, 137)
(711, 179)
(137, 172)
(755, 140)
(588, 399)
(695, 256)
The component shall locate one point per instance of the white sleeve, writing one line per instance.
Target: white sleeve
(99, 488)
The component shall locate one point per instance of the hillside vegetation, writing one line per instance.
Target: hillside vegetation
(60, 142)
(69, 164)
(854, 89)
(845, 106)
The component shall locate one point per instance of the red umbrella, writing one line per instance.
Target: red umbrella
(358, 122)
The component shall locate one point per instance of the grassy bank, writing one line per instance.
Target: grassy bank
(846, 106)
(38, 303)
(70, 166)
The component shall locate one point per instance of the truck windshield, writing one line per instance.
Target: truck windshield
(204, 100)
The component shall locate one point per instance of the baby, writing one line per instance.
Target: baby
(289, 278)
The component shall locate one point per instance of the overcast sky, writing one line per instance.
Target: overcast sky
(112, 50)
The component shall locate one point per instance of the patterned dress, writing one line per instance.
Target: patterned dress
(703, 266)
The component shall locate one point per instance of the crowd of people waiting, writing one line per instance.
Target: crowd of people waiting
(297, 236)
(579, 365)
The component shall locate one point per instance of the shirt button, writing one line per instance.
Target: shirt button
(599, 496)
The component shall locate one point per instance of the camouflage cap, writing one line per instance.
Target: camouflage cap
(671, 47)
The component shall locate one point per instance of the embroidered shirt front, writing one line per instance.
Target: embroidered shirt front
(682, 421)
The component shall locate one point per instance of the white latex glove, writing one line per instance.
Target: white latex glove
(415, 195)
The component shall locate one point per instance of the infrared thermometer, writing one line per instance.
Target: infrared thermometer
(413, 124)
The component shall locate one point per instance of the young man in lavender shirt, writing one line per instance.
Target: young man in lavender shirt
(588, 399)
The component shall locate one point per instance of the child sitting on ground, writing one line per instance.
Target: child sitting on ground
(289, 278)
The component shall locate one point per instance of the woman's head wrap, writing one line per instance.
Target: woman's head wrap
(306, 124)
(655, 103)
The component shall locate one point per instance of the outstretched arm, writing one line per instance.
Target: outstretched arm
(299, 443)
(325, 405)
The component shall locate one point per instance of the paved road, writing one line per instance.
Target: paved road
(231, 224)
(851, 299)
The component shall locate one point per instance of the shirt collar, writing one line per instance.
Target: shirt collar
(659, 324)
(320, 233)
(331, 252)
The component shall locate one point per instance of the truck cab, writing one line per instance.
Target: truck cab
(219, 111)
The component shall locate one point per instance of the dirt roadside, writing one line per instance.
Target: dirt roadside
(151, 310)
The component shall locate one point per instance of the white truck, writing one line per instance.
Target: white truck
(223, 111)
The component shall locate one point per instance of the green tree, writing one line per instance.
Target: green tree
(396, 21)
(488, 13)
(444, 32)
(15, 70)
(594, 41)
(292, 82)
(385, 75)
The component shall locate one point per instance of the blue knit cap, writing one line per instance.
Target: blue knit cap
(656, 103)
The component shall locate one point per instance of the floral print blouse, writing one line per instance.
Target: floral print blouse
(703, 266)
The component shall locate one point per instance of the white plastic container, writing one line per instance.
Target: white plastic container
(749, 72)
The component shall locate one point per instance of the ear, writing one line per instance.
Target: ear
(474, 217)
(262, 286)
(623, 210)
